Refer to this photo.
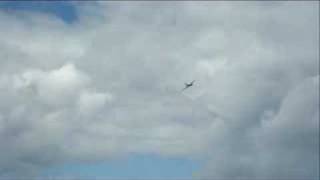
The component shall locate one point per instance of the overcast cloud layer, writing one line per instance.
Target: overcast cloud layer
(110, 85)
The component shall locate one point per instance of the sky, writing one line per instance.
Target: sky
(93, 90)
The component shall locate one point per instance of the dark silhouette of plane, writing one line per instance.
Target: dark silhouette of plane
(188, 85)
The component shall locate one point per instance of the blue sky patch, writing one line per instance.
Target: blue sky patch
(132, 167)
(64, 10)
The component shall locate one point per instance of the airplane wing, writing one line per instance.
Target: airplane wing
(184, 88)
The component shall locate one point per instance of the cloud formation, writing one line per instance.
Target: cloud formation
(109, 85)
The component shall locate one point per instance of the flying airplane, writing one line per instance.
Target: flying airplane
(188, 85)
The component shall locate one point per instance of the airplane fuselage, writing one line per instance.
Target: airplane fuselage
(187, 85)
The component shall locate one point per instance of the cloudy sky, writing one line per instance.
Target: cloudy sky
(93, 90)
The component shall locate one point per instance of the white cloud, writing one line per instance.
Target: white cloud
(90, 102)
(54, 87)
(110, 85)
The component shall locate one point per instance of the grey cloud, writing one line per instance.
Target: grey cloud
(110, 84)
(283, 145)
